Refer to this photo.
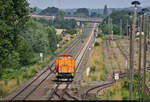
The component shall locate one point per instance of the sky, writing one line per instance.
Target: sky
(85, 3)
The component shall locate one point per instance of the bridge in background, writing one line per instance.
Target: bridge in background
(78, 19)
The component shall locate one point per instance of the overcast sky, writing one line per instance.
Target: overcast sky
(85, 3)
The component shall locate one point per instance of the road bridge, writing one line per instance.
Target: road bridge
(78, 19)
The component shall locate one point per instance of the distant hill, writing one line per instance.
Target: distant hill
(50, 11)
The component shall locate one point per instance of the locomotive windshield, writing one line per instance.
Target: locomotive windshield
(69, 57)
(60, 58)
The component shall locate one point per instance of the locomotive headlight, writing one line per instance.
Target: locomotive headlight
(56, 74)
(72, 74)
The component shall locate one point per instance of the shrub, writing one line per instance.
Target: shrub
(93, 68)
(126, 84)
(93, 78)
(124, 94)
(33, 71)
(25, 75)
(103, 77)
(1, 90)
(99, 36)
(6, 82)
(18, 81)
(96, 44)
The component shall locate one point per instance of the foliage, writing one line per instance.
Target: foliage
(105, 27)
(96, 44)
(93, 68)
(105, 13)
(94, 15)
(99, 36)
(50, 11)
(52, 38)
(59, 22)
(13, 18)
(116, 17)
(59, 38)
(25, 51)
(71, 31)
(82, 12)
(125, 94)
(36, 34)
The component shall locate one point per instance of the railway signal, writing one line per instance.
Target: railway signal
(116, 76)
(132, 39)
(41, 56)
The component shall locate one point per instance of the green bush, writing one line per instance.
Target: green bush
(71, 31)
(93, 78)
(33, 71)
(25, 51)
(99, 36)
(103, 77)
(18, 81)
(12, 61)
(125, 94)
(96, 44)
(126, 84)
(93, 68)
(6, 82)
(105, 70)
(25, 75)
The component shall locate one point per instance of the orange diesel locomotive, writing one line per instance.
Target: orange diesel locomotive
(65, 67)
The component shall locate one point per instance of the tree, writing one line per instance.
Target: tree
(82, 11)
(36, 34)
(25, 51)
(13, 17)
(50, 11)
(94, 14)
(105, 11)
(52, 38)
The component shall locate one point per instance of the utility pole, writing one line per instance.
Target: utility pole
(140, 49)
(111, 28)
(148, 22)
(132, 39)
(145, 49)
(130, 74)
(120, 28)
(127, 29)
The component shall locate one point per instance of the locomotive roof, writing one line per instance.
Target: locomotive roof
(65, 55)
